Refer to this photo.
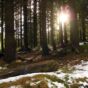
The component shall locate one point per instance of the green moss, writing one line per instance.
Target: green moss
(81, 79)
(67, 69)
(53, 78)
(75, 85)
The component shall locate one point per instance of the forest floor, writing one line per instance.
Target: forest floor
(54, 70)
(34, 62)
(70, 71)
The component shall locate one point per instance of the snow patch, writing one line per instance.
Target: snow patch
(17, 86)
(80, 71)
(54, 84)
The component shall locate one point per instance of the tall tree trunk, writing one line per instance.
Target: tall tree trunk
(2, 16)
(10, 43)
(74, 29)
(21, 39)
(83, 27)
(25, 24)
(45, 50)
(81, 37)
(35, 24)
(40, 22)
(19, 29)
(52, 27)
(65, 35)
(30, 25)
(61, 36)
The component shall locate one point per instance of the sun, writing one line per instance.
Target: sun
(62, 17)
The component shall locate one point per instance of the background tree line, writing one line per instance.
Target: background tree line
(26, 25)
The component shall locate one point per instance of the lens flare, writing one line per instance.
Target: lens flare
(63, 18)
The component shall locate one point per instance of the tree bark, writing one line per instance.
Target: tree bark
(10, 43)
(35, 24)
(21, 39)
(52, 27)
(83, 27)
(74, 29)
(25, 24)
(65, 35)
(61, 36)
(2, 29)
(45, 50)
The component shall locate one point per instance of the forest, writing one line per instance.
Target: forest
(43, 43)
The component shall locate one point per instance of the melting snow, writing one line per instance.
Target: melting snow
(18, 86)
(80, 71)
